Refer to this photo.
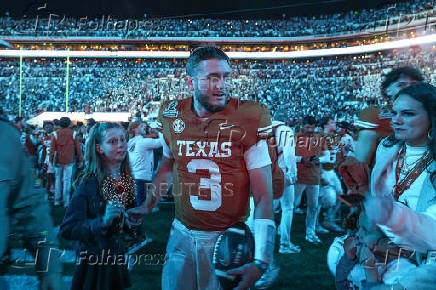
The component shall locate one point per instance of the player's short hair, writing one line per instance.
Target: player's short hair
(47, 123)
(91, 122)
(204, 53)
(409, 71)
(133, 126)
(325, 120)
(64, 122)
(309, 120)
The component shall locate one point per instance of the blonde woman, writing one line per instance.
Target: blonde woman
(95, 216)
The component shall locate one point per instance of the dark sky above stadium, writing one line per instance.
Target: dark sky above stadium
(174, 8)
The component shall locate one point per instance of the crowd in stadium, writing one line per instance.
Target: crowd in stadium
(334, 85)
(61, 26)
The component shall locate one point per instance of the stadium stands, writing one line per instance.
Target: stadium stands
(321, 86)
(107, 26)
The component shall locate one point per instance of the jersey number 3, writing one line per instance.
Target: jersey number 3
(213, 183)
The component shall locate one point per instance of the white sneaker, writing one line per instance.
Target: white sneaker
(332, 227)
(312, 238)
(321, 230)
(289, 249)
(268, 277)
(298, 211)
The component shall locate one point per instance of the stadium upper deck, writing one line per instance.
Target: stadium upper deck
(415, 14)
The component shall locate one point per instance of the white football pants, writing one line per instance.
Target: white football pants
(312, 194)
(189, 259)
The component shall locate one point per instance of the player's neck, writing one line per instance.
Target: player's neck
(200, 111)
(417, 143)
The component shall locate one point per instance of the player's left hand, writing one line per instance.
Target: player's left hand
(250, 274)
(324, 182)
(294, 178)
(287, 181)
(290, 178)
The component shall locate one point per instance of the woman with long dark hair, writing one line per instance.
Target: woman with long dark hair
(402, 203)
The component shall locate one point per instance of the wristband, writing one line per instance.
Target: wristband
(260, 265)
(264, 234)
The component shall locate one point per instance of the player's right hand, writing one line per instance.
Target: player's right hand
(308, 162)
(136, 214)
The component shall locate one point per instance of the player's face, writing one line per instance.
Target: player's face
(309, 129)
(331, 125)
(143, 129)
(48, 128)
(410, 121)
(394, 88)
(211, 84)
(114, 146)
(140, 130)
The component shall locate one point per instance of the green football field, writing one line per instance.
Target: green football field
(306, 270)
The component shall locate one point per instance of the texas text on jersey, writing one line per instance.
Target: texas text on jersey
(211, 182)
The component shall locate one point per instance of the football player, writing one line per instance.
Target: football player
(310, 152)
(330, 183)
(284, 136)
(215, 154)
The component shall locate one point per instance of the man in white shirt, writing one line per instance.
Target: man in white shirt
(284, 136)
(141, 158)
(331, 185)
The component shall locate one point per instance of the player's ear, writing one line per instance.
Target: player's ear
(189, 82)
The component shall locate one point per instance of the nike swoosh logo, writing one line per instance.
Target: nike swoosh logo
(226, 127)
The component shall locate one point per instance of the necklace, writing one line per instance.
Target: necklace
(122, 190)
(408, 166)
(410, 174)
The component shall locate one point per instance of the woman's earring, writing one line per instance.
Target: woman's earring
(98, 149)
(430, 134)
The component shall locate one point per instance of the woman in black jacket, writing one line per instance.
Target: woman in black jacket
(95, 218)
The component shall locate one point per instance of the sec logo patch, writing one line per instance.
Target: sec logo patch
(178, 126)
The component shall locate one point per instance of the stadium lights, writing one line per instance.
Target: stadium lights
(428, 39)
